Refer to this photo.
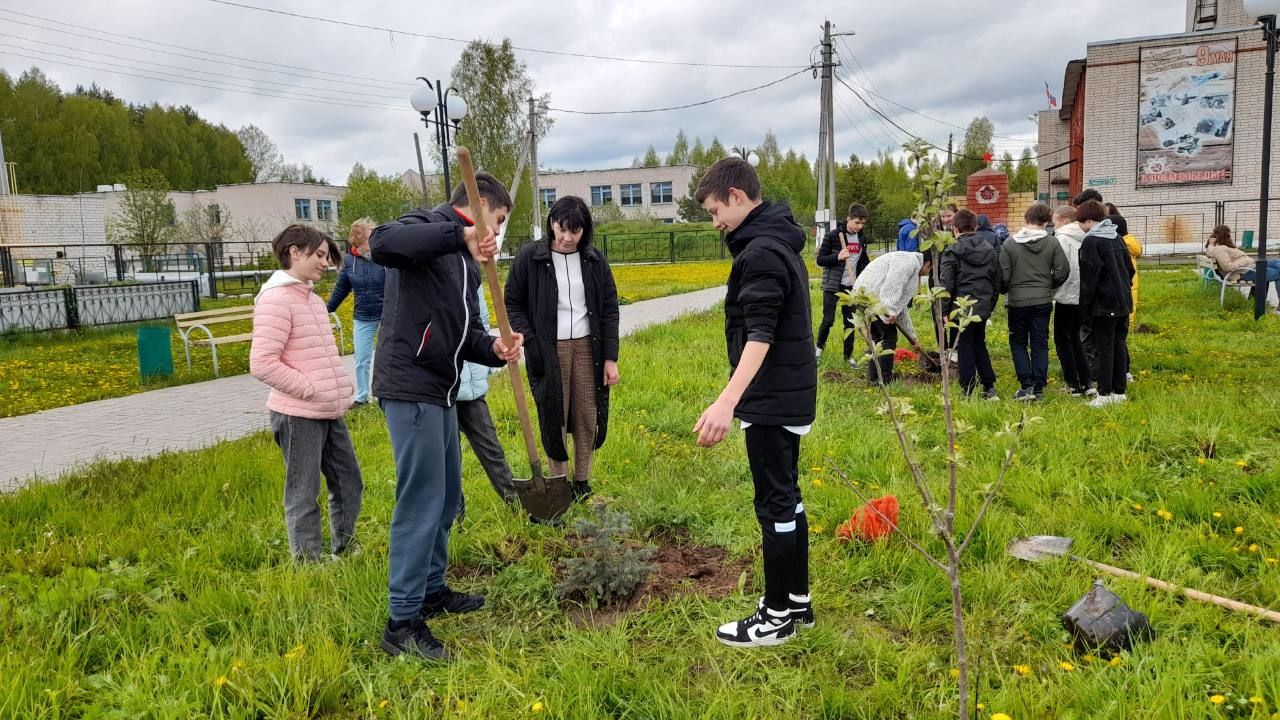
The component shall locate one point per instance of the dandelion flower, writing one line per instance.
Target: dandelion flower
(383, 705)
(1241, 463)
(538, 707)
(1164, 514)
(1217, 516)
(1272, 561)
(1066, 666)
(981, 707)
(954, 673)
(1255, 700)
(1115, 661)
(1023, 670)
(817, 482)
(1000, 716)
(1239, 530)
(1201, 461)
(461, 705)
(1137, 506)
(1253, 548)
(1217, 699)
(222, 680)
(1089, 658)
(815, 468)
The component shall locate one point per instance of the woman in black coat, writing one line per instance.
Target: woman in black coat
(560, 294)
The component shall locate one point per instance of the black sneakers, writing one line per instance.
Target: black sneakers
(1025, 395)
(415, 638)
(450, 602)
(765, 627)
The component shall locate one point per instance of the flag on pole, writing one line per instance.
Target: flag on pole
(1053, 101)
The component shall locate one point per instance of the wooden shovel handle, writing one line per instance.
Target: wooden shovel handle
(499, 308)
(1218, 600)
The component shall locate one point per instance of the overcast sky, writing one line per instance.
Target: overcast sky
(993, 58)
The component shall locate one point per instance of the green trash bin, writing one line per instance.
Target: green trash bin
(1246, 242)
(155, 352)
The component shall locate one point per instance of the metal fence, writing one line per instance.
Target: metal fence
(77, 306)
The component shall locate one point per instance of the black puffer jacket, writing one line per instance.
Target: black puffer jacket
(970, 268)
(430, 316)
(531, 300)
(768, 301)
(1106, 273)
(829, 257)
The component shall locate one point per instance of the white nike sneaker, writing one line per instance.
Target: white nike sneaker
(764, 628)
(800, 607)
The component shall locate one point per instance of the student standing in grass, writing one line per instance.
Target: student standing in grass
(1032, 267)
(1067, 315)
(969, 269)
(294, 353)
(772, 389)
(432, 325)
(364, 278)
(840, 245)
(1106, 275)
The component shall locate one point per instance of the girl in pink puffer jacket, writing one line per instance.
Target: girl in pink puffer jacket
(294, 353)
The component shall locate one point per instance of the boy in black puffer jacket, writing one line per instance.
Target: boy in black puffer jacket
(840, 248)
(772, 390)
(970, 268)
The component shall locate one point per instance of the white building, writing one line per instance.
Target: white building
(638, 192)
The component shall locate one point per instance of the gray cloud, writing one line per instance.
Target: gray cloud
(991, 58)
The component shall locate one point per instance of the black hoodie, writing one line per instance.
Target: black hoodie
(768, 301)
(970, 268)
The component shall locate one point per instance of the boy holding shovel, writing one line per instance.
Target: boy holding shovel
(773, 388)
(430, 325)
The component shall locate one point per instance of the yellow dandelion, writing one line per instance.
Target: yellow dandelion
(1164, 514)
(817, 529)
(981, 707)
(1272, 561)
(817, 482)
(1255, 700)
(1115, 661)
(954, 673)
(815, 468)
(461, 705)
(538, 707)
(222, 680)
(1137, 506)
(1253, 548)
(1066, 666)
(1217, 699)
(1000, 716)
(1089, 658)
(383, 705)
(1239, 530)
(295, 653)
(1241, 463)
(1217, 516)
(1023, 670)
(1201, 461)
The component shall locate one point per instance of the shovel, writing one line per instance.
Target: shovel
(1039, 547)
(544, 498)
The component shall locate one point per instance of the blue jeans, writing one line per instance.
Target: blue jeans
(428, 458)
(363, 336)
(1273, 274)
(1029, 344)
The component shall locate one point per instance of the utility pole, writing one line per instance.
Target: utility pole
(533, 170)
(422, 173)
(950, 138)
(825, 176)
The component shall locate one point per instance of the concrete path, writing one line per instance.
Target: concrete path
(49, 444)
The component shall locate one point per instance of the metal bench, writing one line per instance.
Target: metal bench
(190, 322)
(1209, 273)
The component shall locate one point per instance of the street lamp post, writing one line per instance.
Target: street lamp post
(749, 154)
(441, 109)
(1266, 12)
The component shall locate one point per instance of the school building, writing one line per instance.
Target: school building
(1167, 126)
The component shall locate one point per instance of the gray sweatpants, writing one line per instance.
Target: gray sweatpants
(312, 447)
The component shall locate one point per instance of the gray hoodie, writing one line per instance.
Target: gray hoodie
(1032, 266)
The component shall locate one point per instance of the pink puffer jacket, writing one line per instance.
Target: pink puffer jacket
(294, 351)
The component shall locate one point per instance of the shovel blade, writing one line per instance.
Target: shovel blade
(545, 498)
(1039, 547)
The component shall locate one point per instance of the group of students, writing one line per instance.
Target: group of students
(417, 286)
(1075, 265)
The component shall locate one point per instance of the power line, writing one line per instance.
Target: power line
(327, 74)
(185, 69)
(932, 145)
(192, 84)
(446, 38)
(675, 107)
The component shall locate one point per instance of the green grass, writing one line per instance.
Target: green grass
(133, 588)
(39, 371)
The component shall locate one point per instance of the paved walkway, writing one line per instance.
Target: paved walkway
(49, 444)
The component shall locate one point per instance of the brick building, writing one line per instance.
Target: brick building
(1168, 127)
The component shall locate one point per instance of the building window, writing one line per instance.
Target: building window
(668, 221)
(601, 195)
(660, 193)
(302, 209)
(215, 214)
(630, 195)
(324, 209)
(548, 197)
